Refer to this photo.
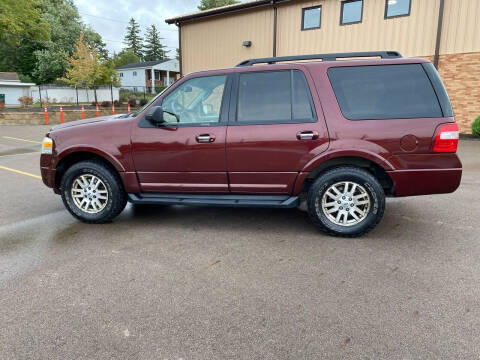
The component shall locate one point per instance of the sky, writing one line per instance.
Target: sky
(110, 18)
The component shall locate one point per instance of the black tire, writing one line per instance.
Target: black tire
(370, 186)
(117, 198)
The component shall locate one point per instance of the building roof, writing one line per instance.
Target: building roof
(9, 76)
(223, 10)
(142, 64)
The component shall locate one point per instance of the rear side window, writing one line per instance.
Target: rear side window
(384, 92)
(274, 96)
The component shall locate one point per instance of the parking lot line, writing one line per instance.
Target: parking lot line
(20, 172)
(19, 139)
(30, 152)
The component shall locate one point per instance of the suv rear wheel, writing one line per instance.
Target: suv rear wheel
(346, 201)
(92, 192)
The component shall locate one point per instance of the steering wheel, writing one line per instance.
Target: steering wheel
(184, 115)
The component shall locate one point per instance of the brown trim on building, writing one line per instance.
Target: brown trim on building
(439, 33)
(274, 31)
(224, 10)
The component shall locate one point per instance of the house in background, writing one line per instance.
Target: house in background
(138, 76)
(444, 31)
(11, 89)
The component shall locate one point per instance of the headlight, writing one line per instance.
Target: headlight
(47, 146)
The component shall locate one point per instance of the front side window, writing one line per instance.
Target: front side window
(394, 8)
(197, 100)
(384, 92)
(274, 97)
(351, 12)
(311, 18)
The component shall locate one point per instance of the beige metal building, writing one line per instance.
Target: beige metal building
(445, 31)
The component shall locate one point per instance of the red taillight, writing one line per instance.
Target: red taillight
(446, 139)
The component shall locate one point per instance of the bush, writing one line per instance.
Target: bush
(26, 101)
(132, 101)
(159, 89)
(2, 106)
(143, 102)
(476, 127)
(118, 103)
(106, 104)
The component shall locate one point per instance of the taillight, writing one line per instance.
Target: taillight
(446, 139)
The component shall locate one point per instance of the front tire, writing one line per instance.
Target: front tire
(92, 192)
(346, 201)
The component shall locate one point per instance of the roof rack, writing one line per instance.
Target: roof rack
(323, 57)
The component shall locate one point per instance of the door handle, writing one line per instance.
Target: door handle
(205, 138)
(307, 135)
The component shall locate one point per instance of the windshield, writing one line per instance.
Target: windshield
(139, 110)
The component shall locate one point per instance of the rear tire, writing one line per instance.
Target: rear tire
(93, 192)
(346, 201)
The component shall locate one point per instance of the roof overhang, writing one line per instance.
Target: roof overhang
(12, 83)
(223, 10)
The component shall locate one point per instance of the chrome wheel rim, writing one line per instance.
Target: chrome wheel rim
(345, 203)
(89, 193)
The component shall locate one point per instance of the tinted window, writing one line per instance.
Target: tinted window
(384, 92)
(195, 101)
(397, 8)
(311, 18)
(265, 97)
(351, 11)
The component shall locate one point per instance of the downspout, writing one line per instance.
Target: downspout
(180, 47)
(274, 29)
(436, 58)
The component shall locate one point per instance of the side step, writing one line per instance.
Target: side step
(274, 201)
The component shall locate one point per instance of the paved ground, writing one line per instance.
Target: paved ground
(208, 283)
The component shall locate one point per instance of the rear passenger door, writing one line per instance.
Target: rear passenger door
(275, 127)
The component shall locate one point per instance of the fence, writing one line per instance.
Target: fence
(69, 95)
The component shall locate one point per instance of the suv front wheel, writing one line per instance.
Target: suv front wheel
(346, 201)
(93, 192)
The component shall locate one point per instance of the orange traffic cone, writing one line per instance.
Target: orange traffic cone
(113, 109)
(98, 112)
(46, 114)
(128, 108)
(61, 114)
(83, 112)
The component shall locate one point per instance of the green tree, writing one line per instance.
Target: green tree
(153, 49)
(125, 57)
(210, 4)
(93, 39)
(82, 66)
(22, 31)
(133, 40)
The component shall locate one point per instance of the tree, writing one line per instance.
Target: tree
(93, 39)
(82, 66)
(125, 57)
(133, 40)
(210, 4)
(153, 49)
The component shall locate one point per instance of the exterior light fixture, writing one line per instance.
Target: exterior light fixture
(247, 43)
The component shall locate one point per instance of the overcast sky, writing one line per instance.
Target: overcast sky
(110, 17)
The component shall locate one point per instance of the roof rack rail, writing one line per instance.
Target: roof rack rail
(323, 57)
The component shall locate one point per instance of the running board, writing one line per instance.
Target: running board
(274, 201)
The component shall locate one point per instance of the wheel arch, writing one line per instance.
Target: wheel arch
(358, 161)
(74, 157)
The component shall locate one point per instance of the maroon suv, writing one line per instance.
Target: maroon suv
(340, 135)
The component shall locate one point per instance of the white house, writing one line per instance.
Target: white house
(137, 76)
(11, 89)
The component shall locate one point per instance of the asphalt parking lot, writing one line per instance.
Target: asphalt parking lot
(216, 283)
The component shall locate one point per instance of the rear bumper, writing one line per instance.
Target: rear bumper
(425, 181)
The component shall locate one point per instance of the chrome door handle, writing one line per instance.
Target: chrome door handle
(307, 135)
(205, 138)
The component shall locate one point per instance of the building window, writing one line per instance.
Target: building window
(311, 17)
(134, 73)
(396, 8)
(121, 74)
(351, 12)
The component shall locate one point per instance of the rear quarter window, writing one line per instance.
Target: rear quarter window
(384, 92)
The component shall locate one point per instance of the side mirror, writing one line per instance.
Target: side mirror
(155, 115)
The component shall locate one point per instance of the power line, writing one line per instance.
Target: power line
(119, 21)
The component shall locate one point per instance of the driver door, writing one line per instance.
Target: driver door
(187, 152)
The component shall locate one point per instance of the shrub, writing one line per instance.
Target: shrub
(118, 103)
(143, 102)
(132, 101)
(2, 106)
(94, 103)
(476, 127)
(106, 104)
(26, 101)
(123, 97)
(159, 89)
